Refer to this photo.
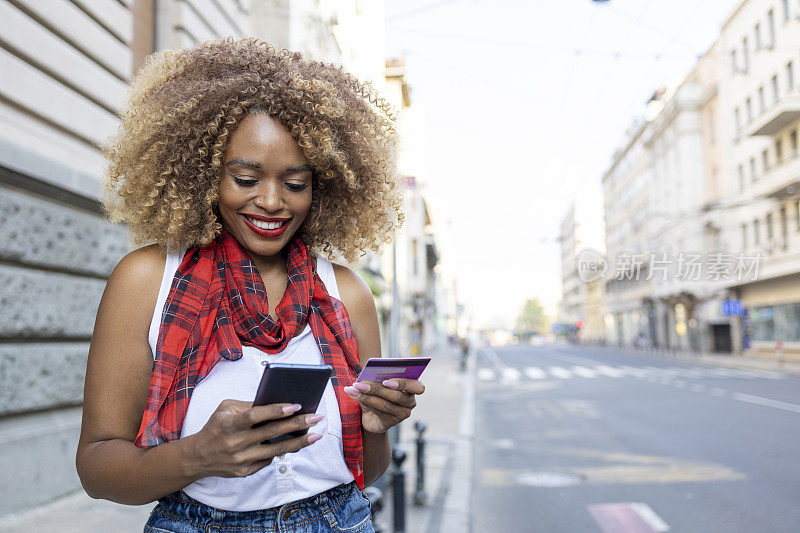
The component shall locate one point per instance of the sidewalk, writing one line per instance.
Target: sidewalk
(726, 360)
(447, 407)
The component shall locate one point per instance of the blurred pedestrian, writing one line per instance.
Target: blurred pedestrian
(244, 166)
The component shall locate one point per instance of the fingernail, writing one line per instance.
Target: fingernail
(392, 384)
(352, 392)
(363, 387)
(314, 437)
(289, 409)
(313, 419)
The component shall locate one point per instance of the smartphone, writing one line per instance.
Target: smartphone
(378, 369)
(288, 383)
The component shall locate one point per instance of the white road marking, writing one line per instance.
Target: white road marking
(511, 374)
(560, 372)
(609, 371)
(632, 370)
(584, 372)
(534, 372)
(679, 383)
(696, 387)
(650, 516)
(485, 374)
(718, 392)
(766, 401)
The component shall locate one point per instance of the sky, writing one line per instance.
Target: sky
(517, 108)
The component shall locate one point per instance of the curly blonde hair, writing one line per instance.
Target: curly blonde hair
(165, 160)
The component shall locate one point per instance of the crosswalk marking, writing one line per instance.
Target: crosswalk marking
(534, 372)
(674, 375)
(609, 371)
(584, 372)
(485, 374)
(560, 372)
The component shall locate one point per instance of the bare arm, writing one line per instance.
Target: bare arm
(357, 299)
(109, 464)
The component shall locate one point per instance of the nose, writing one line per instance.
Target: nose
(270, 198)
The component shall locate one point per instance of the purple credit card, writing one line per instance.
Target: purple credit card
(378, 369)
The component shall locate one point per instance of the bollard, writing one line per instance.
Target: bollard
(399, 489)
(375, 496)
(419, 495)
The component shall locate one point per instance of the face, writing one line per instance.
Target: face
(265, 189)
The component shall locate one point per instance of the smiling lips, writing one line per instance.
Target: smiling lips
(265, 226)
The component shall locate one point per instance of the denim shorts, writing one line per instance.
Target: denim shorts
(344, 508)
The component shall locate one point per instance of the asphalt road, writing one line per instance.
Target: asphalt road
(572, 439)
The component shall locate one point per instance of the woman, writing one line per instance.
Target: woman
(237, 162)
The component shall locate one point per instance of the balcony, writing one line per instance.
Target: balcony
(776, 117)
(780, 181)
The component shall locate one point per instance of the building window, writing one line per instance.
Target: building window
(765, 159)
(762, 323)
(797, 212)
(762, 103)
(758, 36)
(785, 10)
(789, 76)
(774, 83)
(744, 236)
(741, 178)
(770, 232)
(712, 131)
(734, 65)
(737, 119)
(778, 151)
(753, 175)
(784, 227)
(745, 55)
(748, 109)
(793, 142)
(756, 232)
(770, 29)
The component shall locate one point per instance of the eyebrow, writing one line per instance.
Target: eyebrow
(242, 162)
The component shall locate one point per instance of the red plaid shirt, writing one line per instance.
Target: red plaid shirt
(216, 304)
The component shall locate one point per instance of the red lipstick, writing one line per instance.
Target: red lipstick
(266, 233)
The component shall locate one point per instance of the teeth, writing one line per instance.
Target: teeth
(265, 225)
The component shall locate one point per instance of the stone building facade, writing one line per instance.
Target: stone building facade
(65, 66)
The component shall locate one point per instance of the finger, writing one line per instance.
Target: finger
(411, 386)
(384, 405)
(263, 413)
(395, 396)
(289, 445)
(280, 427)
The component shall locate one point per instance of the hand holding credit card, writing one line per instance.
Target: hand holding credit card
(379, 369)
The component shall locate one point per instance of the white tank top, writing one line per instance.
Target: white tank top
(294, 476)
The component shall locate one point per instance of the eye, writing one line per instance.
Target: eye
(245, 182)
(297, 187)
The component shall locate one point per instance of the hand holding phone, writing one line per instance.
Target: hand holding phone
(294, 384)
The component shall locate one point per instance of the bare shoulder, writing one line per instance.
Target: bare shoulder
(357, 299)
(354, 291)
(141, 265)
(135, 281)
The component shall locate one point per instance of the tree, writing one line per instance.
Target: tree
(531, 319)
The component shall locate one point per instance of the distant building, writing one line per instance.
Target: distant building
(663, 194)
(581, 231)
(759, 96)
(421, 327)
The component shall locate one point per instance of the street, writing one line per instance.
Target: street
(574, 439)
